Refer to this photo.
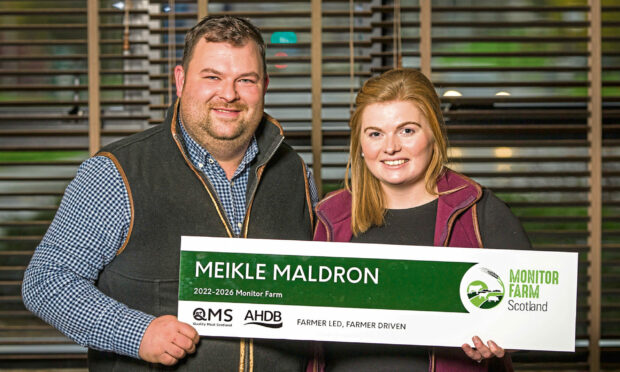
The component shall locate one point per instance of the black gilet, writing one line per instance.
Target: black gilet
(170, 198)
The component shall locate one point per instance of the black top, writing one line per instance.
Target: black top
(499, 228)
(408, 226)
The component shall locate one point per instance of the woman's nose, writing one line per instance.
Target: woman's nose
(392, 144)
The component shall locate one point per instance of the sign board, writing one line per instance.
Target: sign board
(377, 293)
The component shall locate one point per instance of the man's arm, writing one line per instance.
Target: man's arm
(87, 231)
(314, 194)
(90, 226)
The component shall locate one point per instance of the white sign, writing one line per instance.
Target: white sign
(375, 293)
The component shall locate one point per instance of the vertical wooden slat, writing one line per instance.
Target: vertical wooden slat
(595, 197)
(126, 22)
(351, 56)
(94, 105)
(316, 77)
(425, 37)
(172, 47)
(396, 37)
(203, 8)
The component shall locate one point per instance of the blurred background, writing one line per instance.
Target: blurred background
(530, 92)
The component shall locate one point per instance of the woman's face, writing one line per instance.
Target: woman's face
(397, 144)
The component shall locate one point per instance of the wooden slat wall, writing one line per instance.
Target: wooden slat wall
(610, 278)
(46, 104)
(43, 111)
(531, 147)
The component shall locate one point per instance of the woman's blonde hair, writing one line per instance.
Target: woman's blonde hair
(403, 84)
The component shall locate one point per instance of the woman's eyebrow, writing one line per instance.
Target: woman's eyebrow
(372, 128)
(409, 122)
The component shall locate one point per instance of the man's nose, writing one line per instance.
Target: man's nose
(228, 91)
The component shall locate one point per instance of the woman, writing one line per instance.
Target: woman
(401, 192)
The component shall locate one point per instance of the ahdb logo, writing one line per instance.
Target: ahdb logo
(481, 288)
(264, 318)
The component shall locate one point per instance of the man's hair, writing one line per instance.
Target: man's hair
(223, 29)
(406, 85)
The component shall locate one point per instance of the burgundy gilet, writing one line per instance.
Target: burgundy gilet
(456, 225)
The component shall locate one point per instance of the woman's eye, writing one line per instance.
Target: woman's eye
(374, 134)
(408, 131)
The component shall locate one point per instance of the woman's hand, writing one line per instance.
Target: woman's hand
(480, 351)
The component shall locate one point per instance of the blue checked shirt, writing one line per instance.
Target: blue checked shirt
(231, 193)
(90, 226)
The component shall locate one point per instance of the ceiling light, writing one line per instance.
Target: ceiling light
(452, 93)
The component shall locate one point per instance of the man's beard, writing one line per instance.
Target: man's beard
(210, 125)
(206, 130)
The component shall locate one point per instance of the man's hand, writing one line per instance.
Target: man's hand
(482, 351)
(167, 340)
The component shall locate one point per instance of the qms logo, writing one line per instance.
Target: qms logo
(213, 315)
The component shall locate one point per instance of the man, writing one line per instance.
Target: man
(106, 272)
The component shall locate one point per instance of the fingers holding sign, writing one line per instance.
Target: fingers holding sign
(167, 340)
(480, 351)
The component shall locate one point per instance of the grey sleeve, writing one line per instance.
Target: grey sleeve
(499, 227)
(314, 193)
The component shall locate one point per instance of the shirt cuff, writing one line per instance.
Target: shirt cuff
(128, 335)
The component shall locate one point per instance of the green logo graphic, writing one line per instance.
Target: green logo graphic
(486, 291)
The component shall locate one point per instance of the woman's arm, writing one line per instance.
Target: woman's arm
(499, 227)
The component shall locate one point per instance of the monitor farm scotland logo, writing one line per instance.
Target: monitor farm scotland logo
(486, 289)
(526, 290)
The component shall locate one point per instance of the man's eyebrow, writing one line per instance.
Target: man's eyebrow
(209, 70)
(249, 74)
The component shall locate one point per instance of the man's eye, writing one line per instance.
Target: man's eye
(247, 81)
(211, 77)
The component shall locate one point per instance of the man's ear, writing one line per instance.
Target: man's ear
(179, 79)
(266, 85)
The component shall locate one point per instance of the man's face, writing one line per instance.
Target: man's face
(222, 94)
